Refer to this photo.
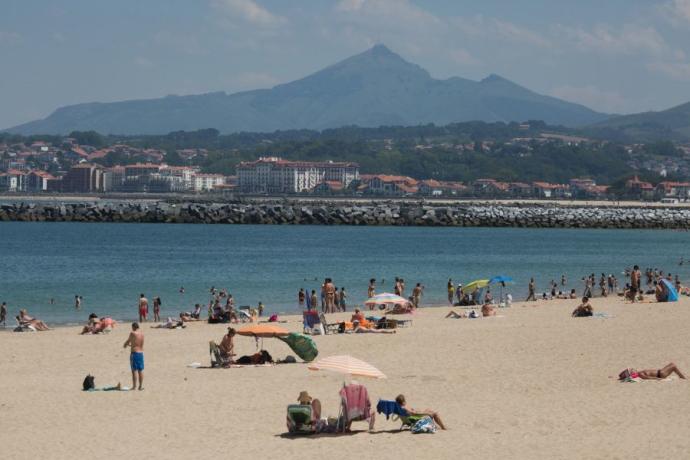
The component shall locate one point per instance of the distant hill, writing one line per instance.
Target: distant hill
(671, 124)
(371, 89)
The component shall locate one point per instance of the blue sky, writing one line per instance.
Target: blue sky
(615, 55)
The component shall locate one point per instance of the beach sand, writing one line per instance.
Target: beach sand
(534, 383)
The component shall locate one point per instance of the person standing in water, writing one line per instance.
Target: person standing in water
(143, 308)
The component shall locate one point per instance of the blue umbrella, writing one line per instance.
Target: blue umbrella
(502, 279)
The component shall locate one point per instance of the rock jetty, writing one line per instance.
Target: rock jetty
(337, 213)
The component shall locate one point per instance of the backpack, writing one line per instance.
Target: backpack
(89, 383)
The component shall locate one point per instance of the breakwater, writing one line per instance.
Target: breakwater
(396, 214)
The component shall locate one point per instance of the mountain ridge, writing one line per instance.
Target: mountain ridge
(376, 87)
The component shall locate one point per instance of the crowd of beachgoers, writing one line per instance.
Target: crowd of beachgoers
(473, 300)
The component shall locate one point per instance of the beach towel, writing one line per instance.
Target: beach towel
(389, 408)
(355, 398)
(424, 425)
(303, 346)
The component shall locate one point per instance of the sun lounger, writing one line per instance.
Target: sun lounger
(392, 408)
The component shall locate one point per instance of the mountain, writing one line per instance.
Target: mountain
(374, 88)
(671, 124)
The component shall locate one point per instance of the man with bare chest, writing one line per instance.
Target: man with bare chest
(136, 357)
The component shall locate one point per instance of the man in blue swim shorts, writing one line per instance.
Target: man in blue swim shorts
(136, 357)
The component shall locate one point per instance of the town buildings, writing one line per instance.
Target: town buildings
(275, 175)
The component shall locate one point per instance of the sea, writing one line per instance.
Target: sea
(44, 265)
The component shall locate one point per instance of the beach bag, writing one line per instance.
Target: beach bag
(625, 375)
(89, 383)
(424, 425)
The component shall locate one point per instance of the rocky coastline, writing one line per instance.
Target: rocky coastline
(325, 213)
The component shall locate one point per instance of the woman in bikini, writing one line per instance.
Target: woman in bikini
(657, 374)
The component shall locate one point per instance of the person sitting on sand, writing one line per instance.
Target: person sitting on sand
(584, 309)
(400, 399)
(573, 294)
(357, 329)
(488, 310)
(25, 320)
(91, 325)
(186, 317)
(657, 374)
(660, 292)
(357, 316)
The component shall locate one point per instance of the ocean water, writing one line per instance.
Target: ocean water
(109, 265)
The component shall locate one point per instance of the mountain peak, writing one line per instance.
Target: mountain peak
(380, 49)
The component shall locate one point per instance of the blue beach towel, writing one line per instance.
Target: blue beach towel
(389, 408)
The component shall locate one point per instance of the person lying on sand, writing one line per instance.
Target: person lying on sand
(657, 374)
(455, 315)
(400, 399)
(357, 329)
(584, 309)
(170, 324)
(26, 320)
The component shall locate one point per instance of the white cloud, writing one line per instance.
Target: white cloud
(631, 39)
(463, 57)
(677, 12)
(592, 97)
(253, 80)
(387, 14)
(493, 28)
(249, 11)
(144, 63)
(9, 38)
(676, 70)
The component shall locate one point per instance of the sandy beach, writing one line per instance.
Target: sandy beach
(534, 383)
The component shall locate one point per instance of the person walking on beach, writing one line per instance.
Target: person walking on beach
(417, 294)
(143, 308)
(634, 283)
(341, 299)
(451, 291)
(314, 300)
(530, 291)
(3, 314)
(136, 356)
(156, 309)
(329, 289)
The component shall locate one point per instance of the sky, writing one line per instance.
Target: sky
(615, 56)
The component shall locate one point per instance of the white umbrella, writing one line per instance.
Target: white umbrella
(344, 364)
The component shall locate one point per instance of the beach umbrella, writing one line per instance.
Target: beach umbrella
(477, 284)
(263, 330)
(503, 280)
(348, 365)
(386, 298)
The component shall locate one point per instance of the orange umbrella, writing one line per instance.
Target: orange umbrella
(263, 330)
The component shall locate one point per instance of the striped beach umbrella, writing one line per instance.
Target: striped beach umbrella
(344, 364)
(385, 299)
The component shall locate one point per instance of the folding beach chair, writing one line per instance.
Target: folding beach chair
(330, 328)
(299, 419)
(244, 314)
(312, 323)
